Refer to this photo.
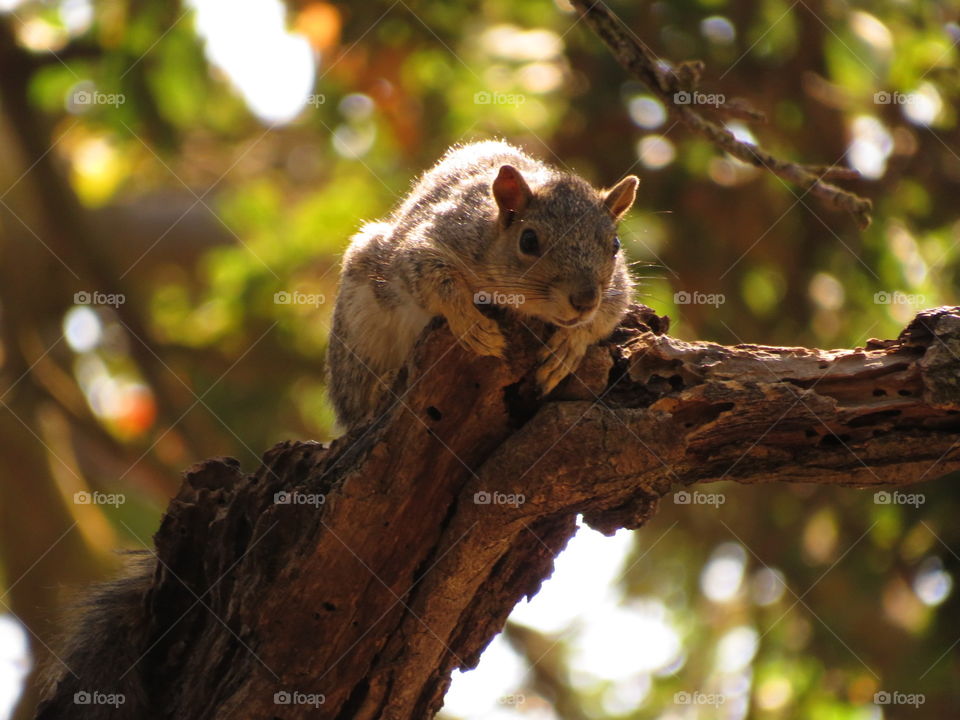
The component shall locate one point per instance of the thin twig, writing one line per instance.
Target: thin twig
(670, 83)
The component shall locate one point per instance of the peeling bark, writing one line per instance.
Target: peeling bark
(373, 597)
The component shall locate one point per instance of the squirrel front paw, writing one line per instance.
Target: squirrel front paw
(560, 357)
(480, 335)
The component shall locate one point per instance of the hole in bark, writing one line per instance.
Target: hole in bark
(329, 606)
(676, 382)
(905, 393)
(871, 418)
(824, 366)
(810, 432)
(879, 392)
(832, 440)
(521, 402)
(434, 414)
(699, 412)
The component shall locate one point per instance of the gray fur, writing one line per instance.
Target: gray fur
(103, 652)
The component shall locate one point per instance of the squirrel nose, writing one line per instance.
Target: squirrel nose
(584, 300)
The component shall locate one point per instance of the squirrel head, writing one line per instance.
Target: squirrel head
(556, 249)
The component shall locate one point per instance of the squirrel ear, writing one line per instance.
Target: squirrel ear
(620, 198)
(511, 192)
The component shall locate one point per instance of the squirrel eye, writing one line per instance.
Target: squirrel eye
(616, 244)
(529, 244)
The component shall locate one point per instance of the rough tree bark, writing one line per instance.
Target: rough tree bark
(373, 597)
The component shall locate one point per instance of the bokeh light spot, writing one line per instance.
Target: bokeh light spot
(82, 328)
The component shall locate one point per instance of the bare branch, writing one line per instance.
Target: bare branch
(667, 83)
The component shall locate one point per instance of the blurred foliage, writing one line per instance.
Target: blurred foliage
(206, 215)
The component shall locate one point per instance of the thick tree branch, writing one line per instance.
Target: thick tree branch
(449, 507)
(672, 85)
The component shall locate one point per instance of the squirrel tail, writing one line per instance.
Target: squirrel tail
(95, 675)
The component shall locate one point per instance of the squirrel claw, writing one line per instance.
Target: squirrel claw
(558, 359)
(549, 376)
(484, 338)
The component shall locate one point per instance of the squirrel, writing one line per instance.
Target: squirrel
(488, 224)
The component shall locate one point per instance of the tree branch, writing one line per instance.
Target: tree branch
(448, 508)
(672, 85)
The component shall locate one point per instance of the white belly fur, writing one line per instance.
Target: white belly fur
(383, 337)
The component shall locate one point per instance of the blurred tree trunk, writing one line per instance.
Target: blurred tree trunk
(349, 581)
(50, 248)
